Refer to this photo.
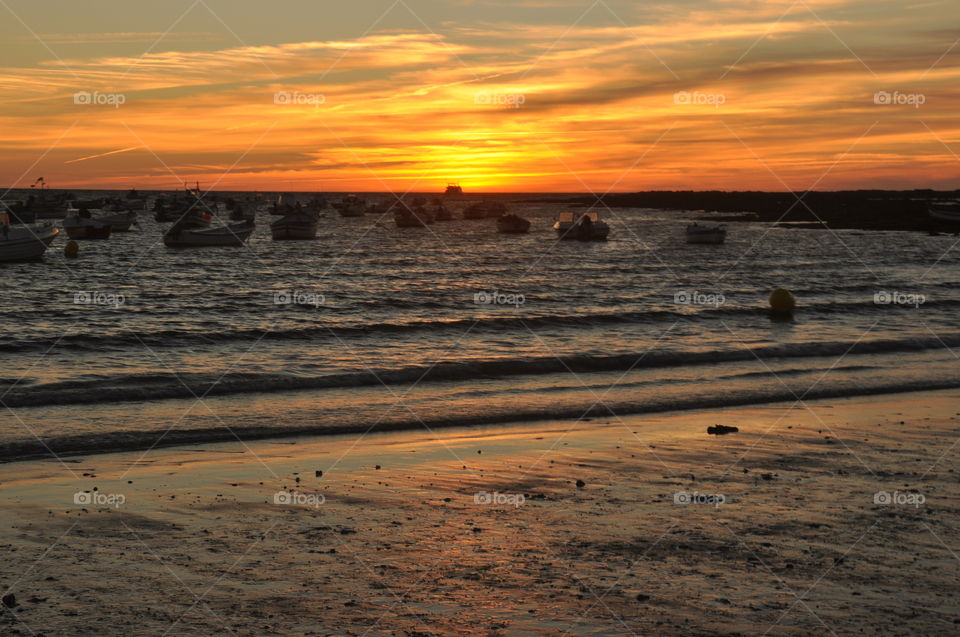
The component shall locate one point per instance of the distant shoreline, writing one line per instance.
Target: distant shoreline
(903, 210)
(885, 210)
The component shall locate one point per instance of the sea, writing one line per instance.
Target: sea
(133, 345)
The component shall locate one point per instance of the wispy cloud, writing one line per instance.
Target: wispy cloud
(512, 103)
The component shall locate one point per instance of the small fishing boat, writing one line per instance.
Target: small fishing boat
(351, 206)
(475, 211)
(234, 234)
(192, 215)
(440, 213)
(301, 226)
(43, 205)
(317, 202)
(80, 224)
(585, 226)
(713, 235)
(135, 200)
(190, 208)
(119, 221)
(512, 224)
(945, 211)
(411, 218)
(26, 243)
(239, 213)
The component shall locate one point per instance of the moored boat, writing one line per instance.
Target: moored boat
(713, 235)
(119, 221)
(585, 226)
(512, 224)
(80, 224)
(26, 243)
(234, 234)
(301, 226)
(440, 212)
(945, 211)
(351, 206)
(475, 211)
(405, 217)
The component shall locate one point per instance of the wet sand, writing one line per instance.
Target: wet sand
(775, 529)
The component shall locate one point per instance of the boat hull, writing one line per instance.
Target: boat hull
(573, 232)
(26, 244)
(293, 230)
(945, 213)
(231, 236)
(119, 222)
(513, 225)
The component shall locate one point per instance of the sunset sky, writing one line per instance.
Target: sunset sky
(499, 95)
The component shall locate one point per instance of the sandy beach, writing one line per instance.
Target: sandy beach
(646, 525)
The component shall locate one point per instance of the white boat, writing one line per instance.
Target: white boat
(297, 226)
(234, 234)
(79, 224)
(119, 221)
(947, 211)
(585, 226)
(714, 235)
(26, 243)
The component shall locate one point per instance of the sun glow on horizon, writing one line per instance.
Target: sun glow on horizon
(722, 95)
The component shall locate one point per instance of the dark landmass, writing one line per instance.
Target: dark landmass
(847, 210)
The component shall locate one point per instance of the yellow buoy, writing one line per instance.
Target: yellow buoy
(71, 250)
(782, 301)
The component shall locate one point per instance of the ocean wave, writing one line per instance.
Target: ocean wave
(162, 385)
(116, 441)
(114, 340)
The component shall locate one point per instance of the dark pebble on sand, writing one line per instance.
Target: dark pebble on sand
(641, 597)
(720, 430)
(581, 484)
(9, 600)
(318, 474)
